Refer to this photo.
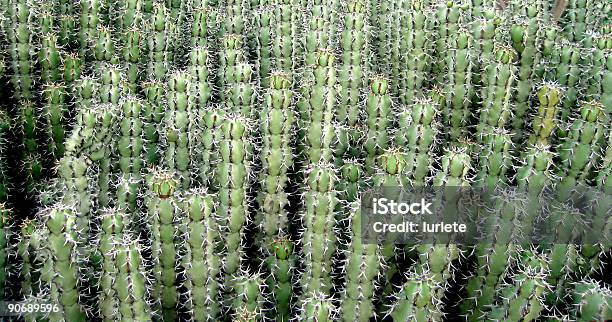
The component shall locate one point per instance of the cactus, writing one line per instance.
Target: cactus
(157, 43)
(418, 136)
(498, 90)
(153, 116)
(19, 35)
(318, 237)
(32, 166)
(458, 85)
(495, 260)
(352, 75)
(178, 132)
(546, 121)
(285, 29)
(249, 298)
(5, 184)
(415, 50)
(130, 148)
(123, 286)
(582, 148)
(378, 109)
(415, 300)
(523, 299)
(592, 301)
(362, 266)
(54, 115)
(60, 271)
(316, 109)
(495, 159)
(162, 210)
(205, 160)
(277, 123)
(5, 231)
(49, 58)
(202, 262)
(233, 176)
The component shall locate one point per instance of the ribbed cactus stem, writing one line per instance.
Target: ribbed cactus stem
(581, 149)
(90, 15)
(122, 283)
(419, 130)
(60, 273)
(352, 77)
(415, 50)
(498, 90)
(286, 26)
(523, 298)
(235, 17)
(363, 268)
(103, 48)
(592, 301)
(153, 114)
(282, 263)
(318, 237)
(32, 167)
(5, 184)
(29, 264)
(158, 43)
(379, 121)
(49, 58)
(132, 55)
(526, 39)
(263, 25)
(72, 69)
(5, 231)
(101, 149)
(202, 261)
(233, 177)
(177, 134)
(546, 120)
(498, 255)
(162, 218)
(494, 159)
(317, 108)
(457, 82)
(131, 152)
(277, 121)
(416, 300)
(318, 308)
(249, 300)
(19, 35)
(54, 112)
(74, 173)
(319, 29)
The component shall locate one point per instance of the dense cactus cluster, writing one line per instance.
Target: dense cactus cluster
(206, 160)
